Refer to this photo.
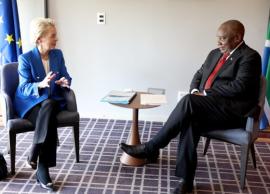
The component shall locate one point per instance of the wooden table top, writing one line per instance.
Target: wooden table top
(136, 103)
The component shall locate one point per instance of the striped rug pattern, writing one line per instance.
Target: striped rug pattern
(100, 170)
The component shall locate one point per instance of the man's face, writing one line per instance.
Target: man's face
(226, 40)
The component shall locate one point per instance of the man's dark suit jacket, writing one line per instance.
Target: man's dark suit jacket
(237, 82)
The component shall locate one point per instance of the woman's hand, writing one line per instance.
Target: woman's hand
(63, 82)
(45, 83)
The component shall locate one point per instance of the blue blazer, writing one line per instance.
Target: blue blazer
(31, 72)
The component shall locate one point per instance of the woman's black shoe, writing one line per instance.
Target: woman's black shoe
(48, 186)
(182, 187)
(31, 164)
(43, 178)
(33, 156)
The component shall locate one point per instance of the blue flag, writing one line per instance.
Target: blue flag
(10, 38)
(266, 72)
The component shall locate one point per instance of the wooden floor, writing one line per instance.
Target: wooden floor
(264, 136)
(266, 140)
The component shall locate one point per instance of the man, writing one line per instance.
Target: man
(223, 92)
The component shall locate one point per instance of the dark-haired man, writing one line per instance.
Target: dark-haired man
(222, 92)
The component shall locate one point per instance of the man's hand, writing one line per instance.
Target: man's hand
(45, 83)
(199, 93)
(63, 82)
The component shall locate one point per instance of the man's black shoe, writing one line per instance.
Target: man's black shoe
(182, 188)
(140, 151)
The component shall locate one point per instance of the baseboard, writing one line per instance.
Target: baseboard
(264, 136)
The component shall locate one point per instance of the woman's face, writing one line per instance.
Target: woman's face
(49, 39)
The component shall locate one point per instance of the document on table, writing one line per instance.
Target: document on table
(153, 99)
(119, 97)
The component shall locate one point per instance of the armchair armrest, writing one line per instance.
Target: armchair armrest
(7, 107)
(252, 127)
(250, 124)
(70, 97)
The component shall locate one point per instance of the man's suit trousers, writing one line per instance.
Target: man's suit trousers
(193, 115)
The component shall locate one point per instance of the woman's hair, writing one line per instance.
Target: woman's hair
(39, 27)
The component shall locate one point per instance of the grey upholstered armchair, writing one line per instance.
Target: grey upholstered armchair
(244, 137)
(15, 125)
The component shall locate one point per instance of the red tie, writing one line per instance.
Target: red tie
(214, 72)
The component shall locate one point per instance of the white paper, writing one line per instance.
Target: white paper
(153, 99)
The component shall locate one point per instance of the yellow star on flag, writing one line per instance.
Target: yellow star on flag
(19, 43)
(9, 38)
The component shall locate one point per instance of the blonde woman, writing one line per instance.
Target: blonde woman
(42, 78)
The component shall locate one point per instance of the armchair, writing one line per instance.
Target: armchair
(244, 137)
(15, 125)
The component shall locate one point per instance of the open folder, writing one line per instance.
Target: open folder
(119, 97)
(153, 99)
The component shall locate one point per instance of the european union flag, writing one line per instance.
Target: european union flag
(10, 38)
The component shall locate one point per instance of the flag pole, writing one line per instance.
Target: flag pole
(46, 10)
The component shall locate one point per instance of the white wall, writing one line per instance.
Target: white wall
(28, 9)
(145, 43)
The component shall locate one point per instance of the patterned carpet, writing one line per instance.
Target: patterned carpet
(100, 171)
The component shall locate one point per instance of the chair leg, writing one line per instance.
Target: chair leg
(57, 139)
(76, 135)
(243, 168)
(252, 154)
(12, 146)
(207, 142)
(8, 146)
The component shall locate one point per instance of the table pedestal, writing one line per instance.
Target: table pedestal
(134, 139)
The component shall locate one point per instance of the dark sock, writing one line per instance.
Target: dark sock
(150, 148)
(43, 173)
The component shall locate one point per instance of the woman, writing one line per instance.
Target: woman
(42, 79)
